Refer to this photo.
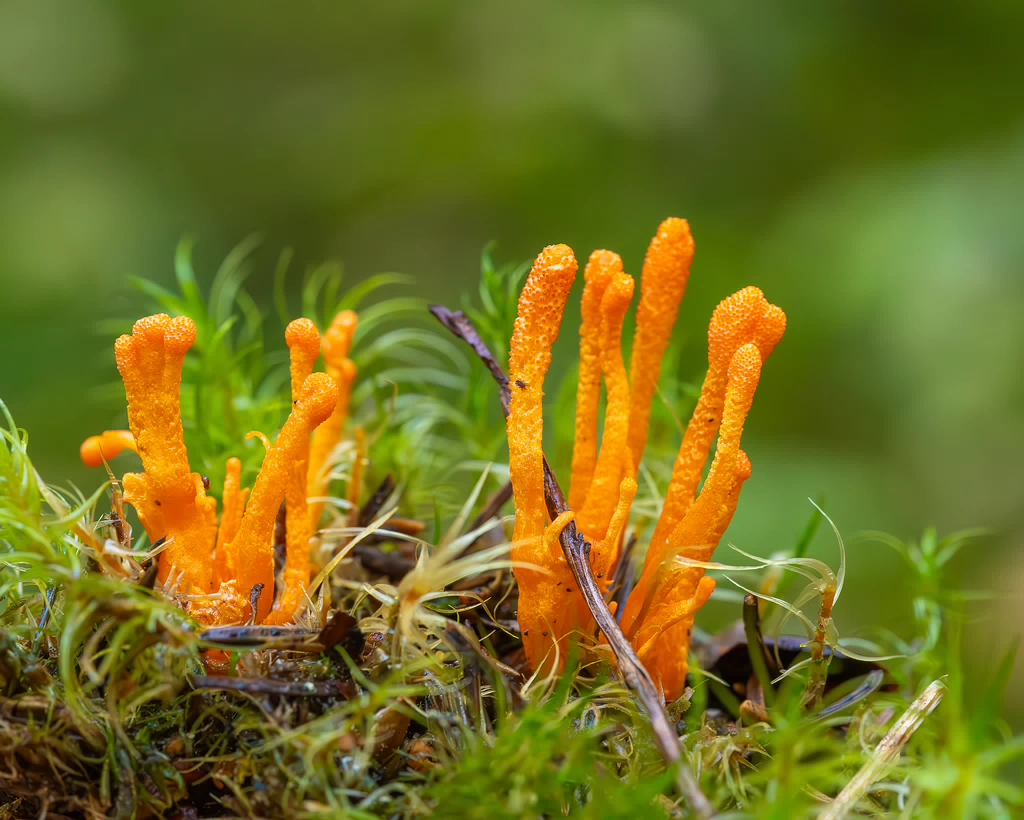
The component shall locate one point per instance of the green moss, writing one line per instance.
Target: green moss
(103, 711)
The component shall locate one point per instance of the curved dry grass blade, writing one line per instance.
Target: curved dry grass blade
(886, 752)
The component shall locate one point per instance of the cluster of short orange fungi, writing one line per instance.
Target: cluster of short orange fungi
(658, 616)
(216, 566)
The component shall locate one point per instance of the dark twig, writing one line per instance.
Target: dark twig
(577, 554)
(460, 325)
(371, 509)
(759, 661)
(254, 601)
(392, 565)
(289, 638)
(149, 574)
(269, 686)
(622, 580)
(341, 628)
(49, 598)
(44, 619)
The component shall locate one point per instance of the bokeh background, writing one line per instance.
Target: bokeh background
(861, 161)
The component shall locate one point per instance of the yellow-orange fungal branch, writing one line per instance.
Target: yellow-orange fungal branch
(665, 587)
(303, 341)
(233, 502)
(664, 648)
(106, 447)
(605, 554)
(663, 283)
(298, 533)
(602, 498)
(703, 517)
(541, 306)
(603, 265)
(546, 619)
(702, 526)
(336, 346)
(659, 614)
(684, 591)
(337, 342)
(550, 606)
(745, 317)
(215, 567)
(743, 470)
(170, 500)
(150, 362)
(253, 545)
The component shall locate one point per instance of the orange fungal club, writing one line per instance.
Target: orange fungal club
(604, 488)
(336, 345)
(663, 281)
(545, 616)
(303, 341)
(603, 265)
(745, 317)
(745, 328)
(214, 566)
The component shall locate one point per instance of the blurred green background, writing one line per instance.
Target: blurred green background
(862, 162)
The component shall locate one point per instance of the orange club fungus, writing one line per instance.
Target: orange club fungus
(745, 328)
(216, 565)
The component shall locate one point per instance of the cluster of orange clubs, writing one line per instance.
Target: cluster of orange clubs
(744, 329)
(214, 566)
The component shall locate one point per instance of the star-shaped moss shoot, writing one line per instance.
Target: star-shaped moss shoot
(745, 328)
(215, 566)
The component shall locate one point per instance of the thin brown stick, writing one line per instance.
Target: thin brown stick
(622, 581)
(371, 509)
(392, 565)
(270, 686)
(577, 554)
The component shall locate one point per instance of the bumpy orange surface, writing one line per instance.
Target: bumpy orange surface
(303, 341)
(659, 614)
(234, 498)
(603, 495)
(663, 283)
(215, 567)
(336, 345)
(745, 317)
(170, 500)
(744, 330)
(603, 265)
(254, 541)
(547, 613)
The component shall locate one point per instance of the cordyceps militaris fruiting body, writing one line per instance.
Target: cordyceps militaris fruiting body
(745, 328)
(212, 565)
